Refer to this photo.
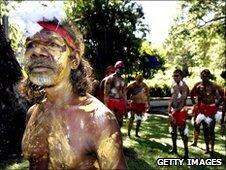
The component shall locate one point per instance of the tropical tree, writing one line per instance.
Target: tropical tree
(109, 28)
(197, 35)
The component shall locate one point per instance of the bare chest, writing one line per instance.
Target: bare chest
(117, 88)
(60, 136)
(118, 83)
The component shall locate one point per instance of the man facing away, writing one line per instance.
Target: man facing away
(69, 129)
(138, 93)
(178, 112)
(114, 92)
(209, 96)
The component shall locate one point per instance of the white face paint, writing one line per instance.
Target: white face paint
(122, 83)
(47, 59)
(41, 79)
(113, 90)
(82, 124)
(179, 95)
(117, 83)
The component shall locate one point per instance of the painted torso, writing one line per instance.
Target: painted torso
(115, 87)
(138, 92)
(207, 93)
(179, 94)
(65, 138)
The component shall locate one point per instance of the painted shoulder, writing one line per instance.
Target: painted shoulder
(197, 84)
(100, 110)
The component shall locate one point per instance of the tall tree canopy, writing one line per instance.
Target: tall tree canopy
(197, 35)
(113, 30)
(109, 28)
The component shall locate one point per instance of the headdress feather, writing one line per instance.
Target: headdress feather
(27, 14)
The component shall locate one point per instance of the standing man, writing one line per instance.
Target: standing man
(69, 129)
(208, 98)
(108, 71)
(138, 93)
(115, 92)
(178, 112)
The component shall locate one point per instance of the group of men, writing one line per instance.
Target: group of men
(121, 98)
(206, 97)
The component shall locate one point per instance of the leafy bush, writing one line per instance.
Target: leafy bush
(160, 91)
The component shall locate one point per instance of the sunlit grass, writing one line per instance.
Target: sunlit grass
(23, 165)
(155, 142)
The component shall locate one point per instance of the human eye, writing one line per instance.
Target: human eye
(55, 45)
(30, 45)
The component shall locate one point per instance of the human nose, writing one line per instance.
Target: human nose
(39, 52)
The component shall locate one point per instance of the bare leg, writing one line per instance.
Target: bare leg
(185, 140)
(196, 134)
(206, 136)
(137, 128)
(130, 123)
(174, 138)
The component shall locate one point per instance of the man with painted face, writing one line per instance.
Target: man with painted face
(178, 112)
(114, 92)
(208, 98)
(138, 93)
(69, 129)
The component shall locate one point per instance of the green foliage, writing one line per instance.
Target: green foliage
(197, 35)
(160, 91)
(109, 28)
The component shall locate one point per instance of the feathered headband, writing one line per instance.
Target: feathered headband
(33, 16)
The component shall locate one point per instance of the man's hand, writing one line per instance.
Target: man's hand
(171, 118)
(147, 106)
(169, 110)
(128, 104)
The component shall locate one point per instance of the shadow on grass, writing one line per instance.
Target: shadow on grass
(153, 146)
(156, 127)
(133, 161)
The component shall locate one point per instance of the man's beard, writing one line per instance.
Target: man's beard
(47, 78)
(43, 80)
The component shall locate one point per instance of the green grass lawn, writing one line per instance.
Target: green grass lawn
(155, 142)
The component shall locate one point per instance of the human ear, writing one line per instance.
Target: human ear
(74, 60)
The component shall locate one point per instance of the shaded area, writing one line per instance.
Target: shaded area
(133, 160)
(12, 106)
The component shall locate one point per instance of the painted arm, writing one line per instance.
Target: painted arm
(170, 102)
(148, 95)
(193, 94)
(125, 91)
(109, 145)
(107, 88)
(129, 91)
(184, 95)
(219, 95)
